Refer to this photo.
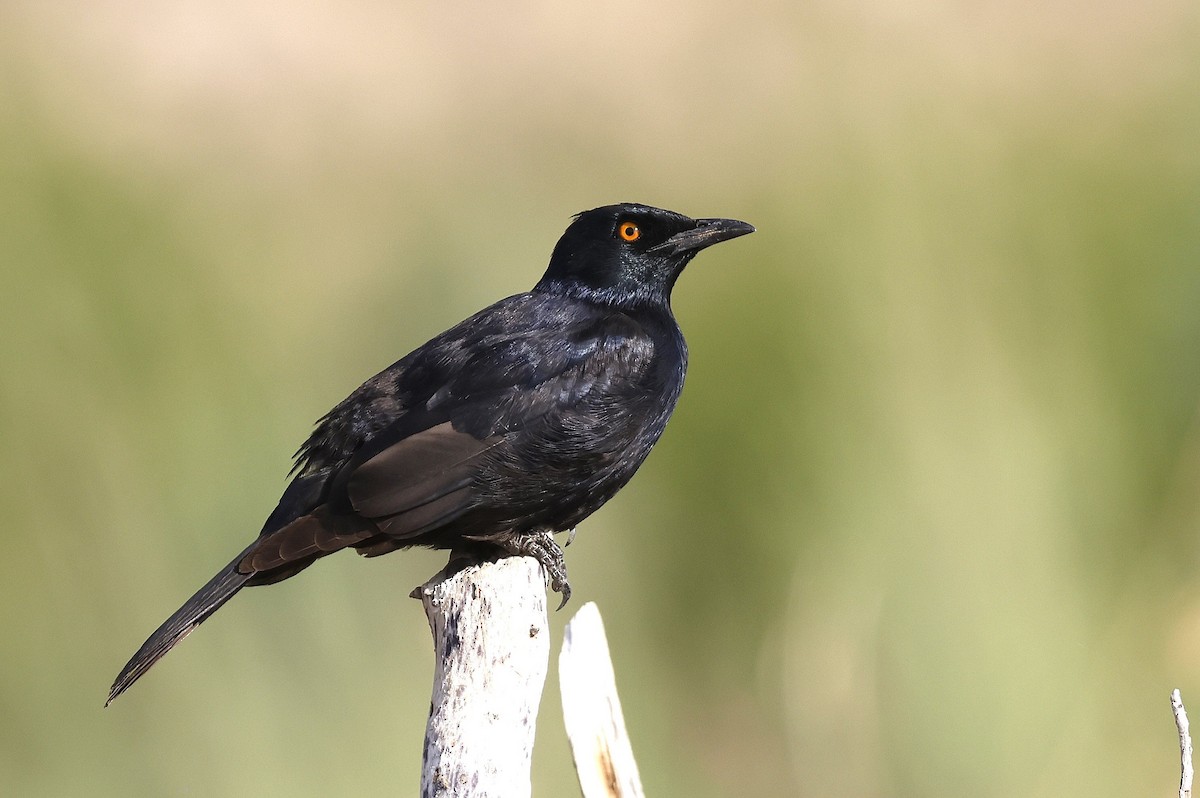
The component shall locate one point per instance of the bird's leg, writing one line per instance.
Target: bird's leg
(541, 546)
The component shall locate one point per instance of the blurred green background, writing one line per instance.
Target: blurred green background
(924, 524)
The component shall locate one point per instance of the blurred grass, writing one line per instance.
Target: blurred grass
(924, 524)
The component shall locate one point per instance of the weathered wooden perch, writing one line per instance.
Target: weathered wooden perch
(492, 649)
(592, 711)
(1185, 745)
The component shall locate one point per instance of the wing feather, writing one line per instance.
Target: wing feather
(308, 537)
(417, 470)
(428, 516)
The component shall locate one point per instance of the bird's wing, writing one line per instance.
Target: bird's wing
(404, 452)
(422, 470)
(421, 480)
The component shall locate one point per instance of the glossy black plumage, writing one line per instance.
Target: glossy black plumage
(512, 425)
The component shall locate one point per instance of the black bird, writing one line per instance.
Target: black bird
(515, 424)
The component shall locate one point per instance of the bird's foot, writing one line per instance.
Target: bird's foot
(570, 537)
(541, 546)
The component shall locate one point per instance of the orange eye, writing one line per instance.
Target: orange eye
(629, 231)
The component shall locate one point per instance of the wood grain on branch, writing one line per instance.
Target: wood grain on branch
(1185, 745)
(592, 711)
(492, 651)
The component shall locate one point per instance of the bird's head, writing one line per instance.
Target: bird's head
(630, 254)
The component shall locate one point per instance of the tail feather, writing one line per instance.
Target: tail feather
(275, 556)
(207, 600)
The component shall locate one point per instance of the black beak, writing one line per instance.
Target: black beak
(706, 233)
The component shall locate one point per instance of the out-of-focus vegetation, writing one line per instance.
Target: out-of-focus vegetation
(925, 523)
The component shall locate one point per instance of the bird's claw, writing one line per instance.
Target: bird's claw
(541, 546)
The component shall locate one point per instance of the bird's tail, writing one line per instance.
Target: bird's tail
(207, 600)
